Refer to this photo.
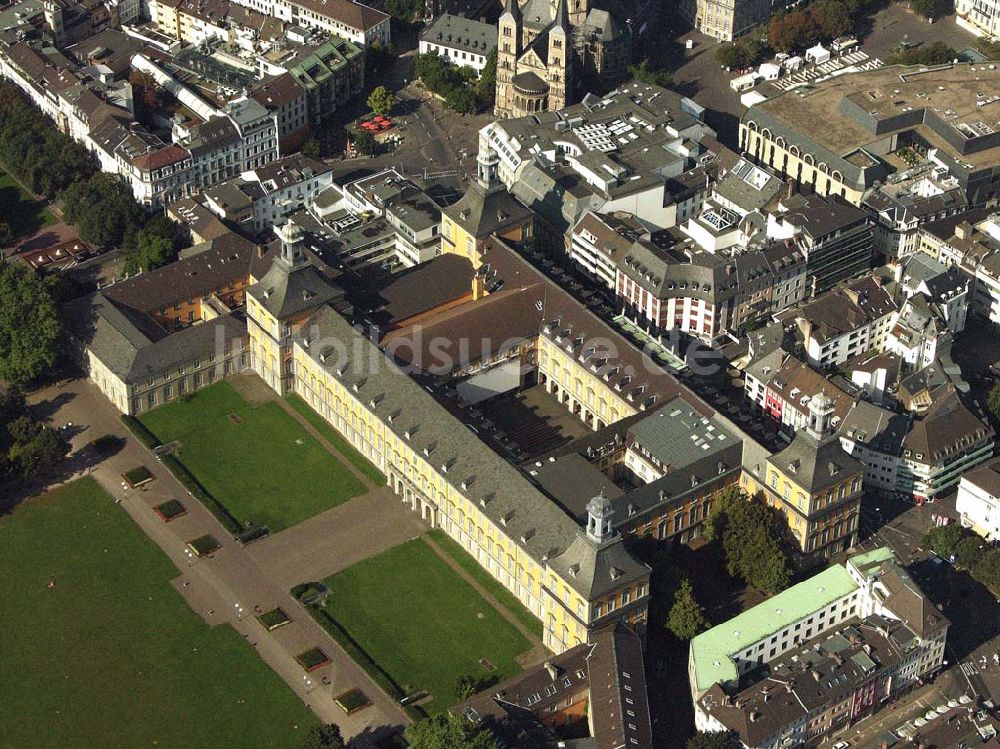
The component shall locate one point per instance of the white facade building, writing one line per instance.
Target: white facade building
(978, 501)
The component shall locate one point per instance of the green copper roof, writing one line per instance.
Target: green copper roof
(870, 559)
(712, 650)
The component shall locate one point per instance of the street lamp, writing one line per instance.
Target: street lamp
(239, 611)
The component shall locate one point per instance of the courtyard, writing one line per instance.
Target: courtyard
(100, 650)
(253, 458)
(422, 624)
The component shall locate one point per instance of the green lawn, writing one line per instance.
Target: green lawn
(264, 468)
(23, 213)
(421, 623)
(112, 655)
(334, 437)
(484, 578)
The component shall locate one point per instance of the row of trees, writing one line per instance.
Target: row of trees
(28, 449)
(40, 156)
(461, 90)
(30, 329)
(952, 541)
(101, 205)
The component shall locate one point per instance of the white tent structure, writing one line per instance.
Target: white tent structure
(818, 54)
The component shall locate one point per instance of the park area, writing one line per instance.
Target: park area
(101, 651)
(19, 210)
(422, 624)
(255, 460)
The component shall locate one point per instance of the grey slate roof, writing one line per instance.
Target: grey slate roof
(505, 495)
(461, 33)
(286, 292)
(814, 464)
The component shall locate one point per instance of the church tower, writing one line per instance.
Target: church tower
(560, 57)
(508, 50)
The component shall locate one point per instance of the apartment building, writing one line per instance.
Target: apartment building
(978, 501)
(464, 42)
(839, 646)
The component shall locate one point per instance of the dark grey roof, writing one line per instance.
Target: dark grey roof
(483, 211)
(286, 292)
(461, 33)
(504, 494)
(816, 465)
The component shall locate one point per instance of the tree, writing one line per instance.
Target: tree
(644, 72)
(944, 539)
(324, 737)
(486, 86)
(148, 251)
(937, 53)
(405, 11)
(993, 400)
(103, 209)
(987, 570)
(754, 539)
(466, 685)
(687, 616)
(730, 56)
(380, 100)
(933, 9)
(447, 731)
(365, 143)
(28, 449)
(462, 100)
(30, 330)
(713, 740)
(6, 235)
(969, 551)
(311, 148)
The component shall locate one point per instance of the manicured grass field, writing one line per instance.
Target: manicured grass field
(421, 623)
(334, 437)
(484, 578)
(111, 655)
(262, 465)
(22, 212)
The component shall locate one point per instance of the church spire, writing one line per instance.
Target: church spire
(562, 16)
(512, 8)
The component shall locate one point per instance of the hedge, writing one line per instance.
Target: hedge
(361, 657)
(197, 491)
(140, 432)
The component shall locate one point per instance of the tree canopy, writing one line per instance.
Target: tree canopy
(447, 731)
(687, 617)
(937, 53)
(713, 740)
(103, 209)
(822, 21)
(30, 329)
(944, 539)
(365, 143)
(28, 449)
(993, 400)
(754, 540)
(324, 737)
(34, 150)
(380, 100)
(933, 9)
(645, 72)
(405, 11)
(461, 90)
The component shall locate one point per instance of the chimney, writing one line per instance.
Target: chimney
(478, 287)
(791, 188)
(552, 670)
(963, 230)
(260, 251)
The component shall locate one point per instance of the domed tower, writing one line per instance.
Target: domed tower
(291, 238)
(820, 416)
(599, 512)
(508, 50)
